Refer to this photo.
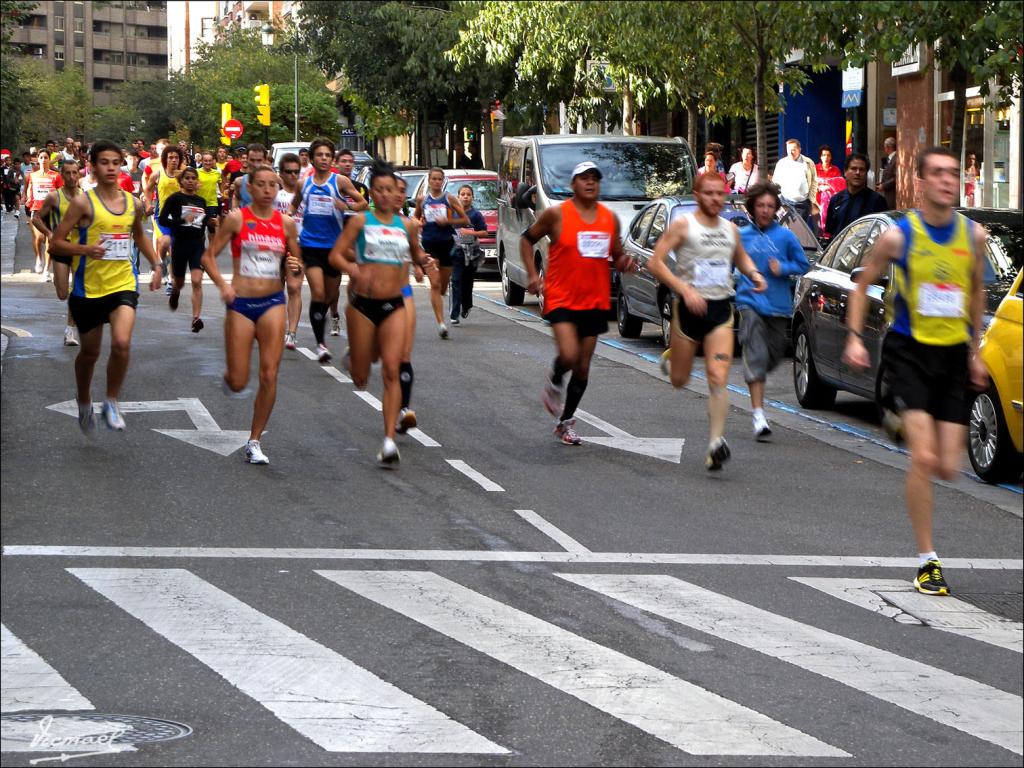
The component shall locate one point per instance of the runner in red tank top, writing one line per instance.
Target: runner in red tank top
(262, 242)
(584, 237)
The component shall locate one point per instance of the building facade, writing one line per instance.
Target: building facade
(112, 42)
(189, 23)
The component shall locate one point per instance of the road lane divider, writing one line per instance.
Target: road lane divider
(476, 477)
(568, 542)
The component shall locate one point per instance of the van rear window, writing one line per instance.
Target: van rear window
(631, 171)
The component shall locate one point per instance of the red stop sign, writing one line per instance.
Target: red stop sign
(232, 129)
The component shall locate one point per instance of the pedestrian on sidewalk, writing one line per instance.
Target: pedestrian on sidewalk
(468, 255)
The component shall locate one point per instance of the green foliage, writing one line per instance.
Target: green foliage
(56, 104)
(12, 90)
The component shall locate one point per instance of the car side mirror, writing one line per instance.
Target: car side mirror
(858, 274)
(524, 197)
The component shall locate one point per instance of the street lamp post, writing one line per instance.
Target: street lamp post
(268, 33)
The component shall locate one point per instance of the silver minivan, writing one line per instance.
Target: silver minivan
(535, 173)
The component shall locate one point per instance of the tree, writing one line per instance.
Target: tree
(12, 90)
(976, 39)
(57, 104)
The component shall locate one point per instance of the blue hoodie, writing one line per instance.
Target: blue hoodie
(779, 243)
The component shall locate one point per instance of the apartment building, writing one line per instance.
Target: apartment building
(253, 14)
(113, 42)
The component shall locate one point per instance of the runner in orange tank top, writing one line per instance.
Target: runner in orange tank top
(584, 237)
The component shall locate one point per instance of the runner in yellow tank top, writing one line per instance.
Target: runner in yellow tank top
(105, 288)
(165, 178)
(930, 353)
(55, 208)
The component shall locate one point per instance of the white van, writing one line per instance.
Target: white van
(277, 151)
(534, 174)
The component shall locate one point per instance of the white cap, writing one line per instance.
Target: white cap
(584, 167)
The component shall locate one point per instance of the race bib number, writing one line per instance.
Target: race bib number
(593, 245)
(386, 245)
(321, 205)
(40, 189)
(116, 246)
(712, 273)
(940, 300)
(435, 212)
(192, 216)
(259, 262)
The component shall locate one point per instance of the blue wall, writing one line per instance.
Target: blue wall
(820, 102)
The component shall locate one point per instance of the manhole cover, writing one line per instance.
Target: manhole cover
(1009, 606)
(40, 732)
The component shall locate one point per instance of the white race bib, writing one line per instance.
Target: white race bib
(386, 245)
(192, 216)
(712, 273)
(117, 246)
(321, 205)
(435, 212)
(258, 262)
(40, 189)
(593, 245)
(940, 300)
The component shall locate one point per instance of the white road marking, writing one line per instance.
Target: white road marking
(560, 536)
(504, 556)
(335, 374)
(28, 682)
(969, 706)
(307, 352)
(476, 477)
(374, 403)
(664, 448)
(899, 599)
(423, 438)
(683, 714)
(321, 694)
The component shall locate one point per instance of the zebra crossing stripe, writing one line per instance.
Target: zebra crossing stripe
(969, 706)
(902, 602)
(683, 714)
(28, 682)
(324, 696)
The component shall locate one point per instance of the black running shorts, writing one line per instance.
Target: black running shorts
(441, 251)
(588, 322)
(696, 327)
(317, 258)
(923, 377)
(92, 313)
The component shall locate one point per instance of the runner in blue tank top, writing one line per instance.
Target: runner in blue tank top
(323, 197)
(440, 213)
(384, 245)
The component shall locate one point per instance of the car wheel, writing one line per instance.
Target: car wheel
(992, 454)
(629, 326)
(540, 294)
(811, 391)
(512, 293)
(666, 321)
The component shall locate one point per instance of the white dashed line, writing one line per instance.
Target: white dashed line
(476, 477)
(538, 522)
(335, 374)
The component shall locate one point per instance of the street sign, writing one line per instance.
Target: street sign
(233, 129)
(852, 99)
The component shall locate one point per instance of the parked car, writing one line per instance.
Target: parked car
(282, 148)
(535, 174)
(412, 176)
(641, 298)
(819, 313)
(485, 200)
(995, 432)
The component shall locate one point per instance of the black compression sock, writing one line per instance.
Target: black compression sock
(317, 318)
(558, 371)
(405, 379)
(573, 395)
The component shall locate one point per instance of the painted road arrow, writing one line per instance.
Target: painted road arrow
(205, 435)
(664, 448)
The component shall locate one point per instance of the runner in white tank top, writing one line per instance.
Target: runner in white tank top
(706, 249)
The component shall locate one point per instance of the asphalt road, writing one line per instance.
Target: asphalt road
(609, 604)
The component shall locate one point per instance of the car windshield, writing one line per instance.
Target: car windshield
(412, 180)
(485, 192)
(630, 170)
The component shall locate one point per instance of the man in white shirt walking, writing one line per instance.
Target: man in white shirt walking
(796, 178)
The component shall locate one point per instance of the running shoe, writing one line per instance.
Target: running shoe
(664, 362)
(169, 290)
(175, 298)
(254, 453)
(388, 456)
(112, 416)
(465, 312)
(49, 276)
(455, 321)
(566, 432)
(761, 429)
(70, 336)
(718, 454)
(197, 324)
(39, 267)
(442, 330)
(406, 420)
(289, 340)
(322, 354)
(86, 418)
(552, 396)
(929, 579)
(335, 325)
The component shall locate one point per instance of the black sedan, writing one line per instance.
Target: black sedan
(640, 297)
(819, 311)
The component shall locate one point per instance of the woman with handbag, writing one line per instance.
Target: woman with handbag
(468, 255)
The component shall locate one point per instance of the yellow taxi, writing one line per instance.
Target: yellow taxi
(996, 426)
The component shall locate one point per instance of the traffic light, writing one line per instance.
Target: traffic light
(262, 103)
(225, 115)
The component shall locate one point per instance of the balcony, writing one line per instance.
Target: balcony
(147, 73)
(149, 18)
(146, 45)
(256, 6)
(104, 42)
(31, 36)
(102, 98)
